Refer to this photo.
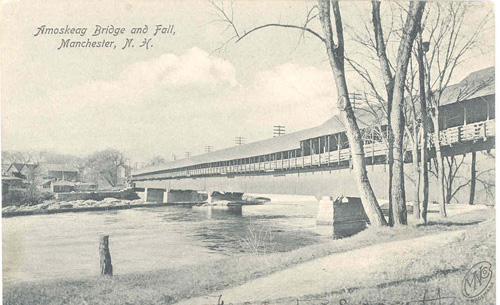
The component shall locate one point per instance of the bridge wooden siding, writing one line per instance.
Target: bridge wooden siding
(470, 133)
(316, 175)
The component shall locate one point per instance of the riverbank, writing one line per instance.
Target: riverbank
(172, 285)
(75, 206)
(431, 273)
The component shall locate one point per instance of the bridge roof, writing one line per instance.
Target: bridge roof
(474, 85)
(272, 145)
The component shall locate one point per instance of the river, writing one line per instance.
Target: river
(66, 245)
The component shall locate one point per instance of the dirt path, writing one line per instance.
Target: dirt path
(334, 272)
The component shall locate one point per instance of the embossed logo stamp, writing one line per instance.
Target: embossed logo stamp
(477, 280)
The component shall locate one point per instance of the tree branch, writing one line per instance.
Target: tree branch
(282, 26)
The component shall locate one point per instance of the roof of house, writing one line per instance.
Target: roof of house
(9, 178)
(85, 184)
(63, 183)
(60, 167)
(17, 166)
(479, 80)
(31, 166)
(46, 181)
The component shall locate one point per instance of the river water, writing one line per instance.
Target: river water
(66, 245)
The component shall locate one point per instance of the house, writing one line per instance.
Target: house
(121, 176)
(14, 170)
(63, 186)
(29, 171)
(59, 172)
(46, 184)
(85, 187)
(46, 171)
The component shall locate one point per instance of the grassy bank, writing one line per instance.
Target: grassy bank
(170, 285)
(433, 277)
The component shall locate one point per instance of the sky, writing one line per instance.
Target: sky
(179, 95)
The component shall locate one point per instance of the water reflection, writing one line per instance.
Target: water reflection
(66, 245)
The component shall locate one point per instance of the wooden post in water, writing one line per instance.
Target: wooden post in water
(105, 257)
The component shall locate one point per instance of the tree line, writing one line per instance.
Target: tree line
(102, 164)
(98, 165)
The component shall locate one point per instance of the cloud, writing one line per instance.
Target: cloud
(172, 104)
(295, 84)
(93, 107)
(194, 70)
(291, 95)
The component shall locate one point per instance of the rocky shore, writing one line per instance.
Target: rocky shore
(53, 206)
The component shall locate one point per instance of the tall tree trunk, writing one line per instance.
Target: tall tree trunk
(336, 59)
(441, 184)
(385, 68)
(390, 162)
(416, 169)
(440, 164)
(472, 178)
(424, 172)
(449, 179)
(424, 183)
(397, 117)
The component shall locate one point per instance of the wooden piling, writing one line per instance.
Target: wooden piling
(105, 257)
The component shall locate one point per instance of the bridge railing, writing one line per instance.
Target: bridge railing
(466, 133)
(450, 136)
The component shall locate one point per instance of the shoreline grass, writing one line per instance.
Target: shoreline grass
(436, 277)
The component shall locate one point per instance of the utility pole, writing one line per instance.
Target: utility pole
(208, 149)
(188, 154)
(278, 130)
(354, 97)
(239, 140)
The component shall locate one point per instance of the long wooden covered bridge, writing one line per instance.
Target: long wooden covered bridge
(316, 161)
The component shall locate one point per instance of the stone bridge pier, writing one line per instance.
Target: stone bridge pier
(345, 214)
(163, 195)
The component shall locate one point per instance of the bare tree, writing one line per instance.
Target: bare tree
(450, 173)
(156, 160)
(448, 50)
(34, 180)
(459, 174)
(336, 58)
(472, 178)
(449, 46)
(397, 120)
(421, 212)
(394, 79)
(25, 157)
(487, 183)
(334, 43)
(105, 164)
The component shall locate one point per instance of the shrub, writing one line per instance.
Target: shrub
(19, 197)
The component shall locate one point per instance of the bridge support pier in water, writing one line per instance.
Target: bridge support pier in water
(155, 195)
(345, 214)
(185, 196)
(161, 195)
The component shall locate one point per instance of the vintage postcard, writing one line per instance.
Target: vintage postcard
(210, 152)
